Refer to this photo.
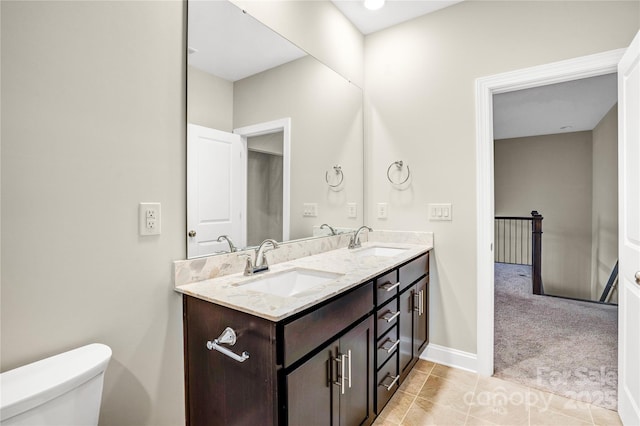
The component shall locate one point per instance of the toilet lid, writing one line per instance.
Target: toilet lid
(34, 384)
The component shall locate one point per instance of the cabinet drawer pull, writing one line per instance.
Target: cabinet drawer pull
(393, 381)
(388, 286)
(390, 316)
(390, 348)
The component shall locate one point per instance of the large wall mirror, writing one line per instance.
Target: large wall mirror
(274, 137)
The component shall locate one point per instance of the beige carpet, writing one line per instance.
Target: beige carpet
(566, 347)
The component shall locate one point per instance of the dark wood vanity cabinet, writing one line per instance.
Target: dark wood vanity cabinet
(336, 363)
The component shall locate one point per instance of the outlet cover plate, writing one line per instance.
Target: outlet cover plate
(149, 219)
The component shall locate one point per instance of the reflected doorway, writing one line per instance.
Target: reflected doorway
(264, 187)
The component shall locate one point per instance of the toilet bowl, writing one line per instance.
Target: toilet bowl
(65, 389)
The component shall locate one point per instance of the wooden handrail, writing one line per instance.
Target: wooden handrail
(518, 245)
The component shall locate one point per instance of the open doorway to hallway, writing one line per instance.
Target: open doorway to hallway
(555, 152)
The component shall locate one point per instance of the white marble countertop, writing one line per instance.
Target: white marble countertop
(355, 270)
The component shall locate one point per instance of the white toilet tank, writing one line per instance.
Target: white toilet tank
(65, 389)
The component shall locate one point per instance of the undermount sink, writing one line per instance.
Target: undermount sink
(288, 283)
(379, 251)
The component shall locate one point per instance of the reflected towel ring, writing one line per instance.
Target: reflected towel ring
(399, 164)
(338, 170)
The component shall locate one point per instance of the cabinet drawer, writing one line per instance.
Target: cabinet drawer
(413, 270)
(387, 317)
(387, 346)
(311, 330)
(386, 287)
(387, 382)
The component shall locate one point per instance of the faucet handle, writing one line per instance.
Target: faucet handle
(248, 266)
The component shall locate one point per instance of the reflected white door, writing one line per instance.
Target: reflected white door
(629, 235)
(216, 186)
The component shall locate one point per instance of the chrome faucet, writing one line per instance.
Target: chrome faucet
(331, 228)
(355, 239)
(261, 258)
(232, 248)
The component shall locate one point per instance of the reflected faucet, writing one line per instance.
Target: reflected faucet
(261, 258)
(355, 239)
(331, 228)
(232, 248)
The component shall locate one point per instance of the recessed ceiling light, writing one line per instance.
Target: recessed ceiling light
(373, 4)
(566, 127)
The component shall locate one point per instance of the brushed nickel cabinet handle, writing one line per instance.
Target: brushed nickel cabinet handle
(349, 356)
(390, 316)
(340, 382)
(392, 347)
(389, 287)
(393, 382)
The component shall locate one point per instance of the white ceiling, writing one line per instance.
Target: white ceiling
(392, 13)
(247, 47)
(557, 108)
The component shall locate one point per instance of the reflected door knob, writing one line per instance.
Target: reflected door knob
(637, 277)
(192, 234)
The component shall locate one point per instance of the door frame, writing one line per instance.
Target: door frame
(281, 125)
(557, 72)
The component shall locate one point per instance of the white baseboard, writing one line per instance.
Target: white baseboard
(450, 357)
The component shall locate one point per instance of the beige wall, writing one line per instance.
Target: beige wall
(420, 107)
(317, 27)
(605, 202)
(551, 174)
(93, 123)
(210, 100)
(326, 129)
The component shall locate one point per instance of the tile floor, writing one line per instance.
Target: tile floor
(437, 395)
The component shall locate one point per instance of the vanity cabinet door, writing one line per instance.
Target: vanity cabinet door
(309, 390)
(334, 386)
(356, 398)
(405, 348)
(421, 316)
(414, 324)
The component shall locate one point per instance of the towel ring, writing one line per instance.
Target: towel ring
(399, 164)
(338, 169)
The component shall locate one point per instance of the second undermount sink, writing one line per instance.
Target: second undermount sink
(288, 283)
(379, 251)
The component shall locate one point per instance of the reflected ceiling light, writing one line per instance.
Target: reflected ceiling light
(373, 4)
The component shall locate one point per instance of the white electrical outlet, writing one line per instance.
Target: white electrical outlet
(440, 212)
(149, 215)
(352, 210)
(382, 210)
(310, 210)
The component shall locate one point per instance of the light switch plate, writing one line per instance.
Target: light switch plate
(352, 210)
(149, 219)
(310, 210)
(382, 211)
(440, 212)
